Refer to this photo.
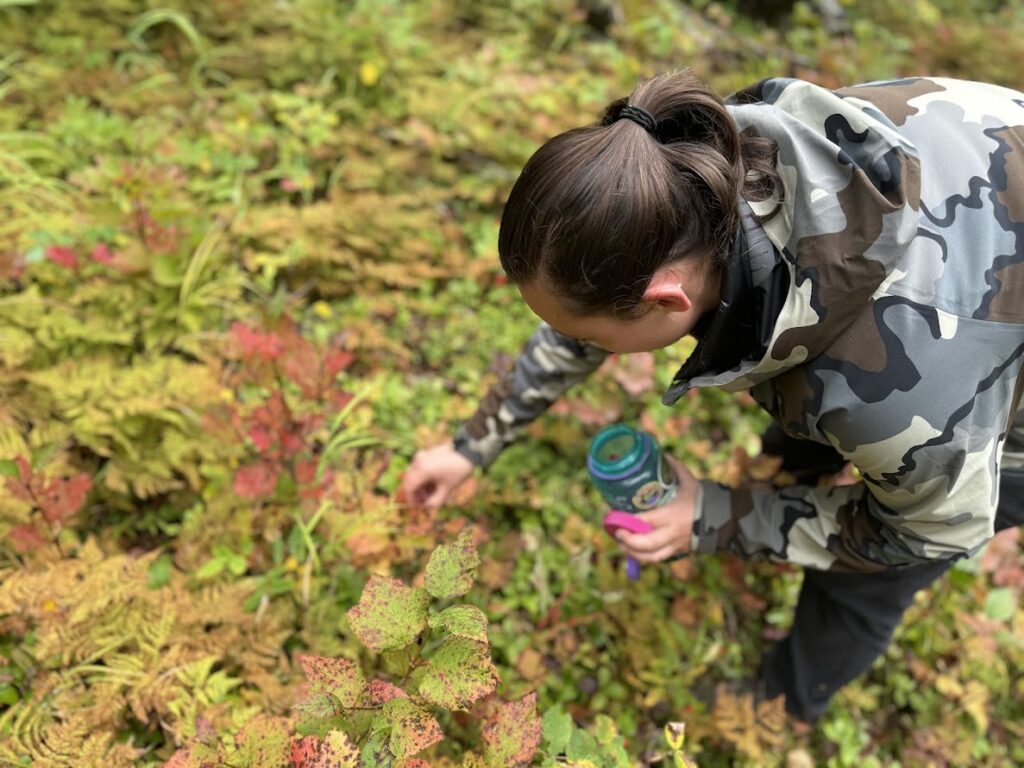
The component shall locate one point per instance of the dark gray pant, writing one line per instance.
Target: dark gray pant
(844, 621)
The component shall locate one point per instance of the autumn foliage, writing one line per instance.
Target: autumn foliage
(248, 266)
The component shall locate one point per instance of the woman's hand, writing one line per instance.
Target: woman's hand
(434, 474)
(673, 523)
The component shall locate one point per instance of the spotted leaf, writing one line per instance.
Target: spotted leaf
(339, 678)
(462, 620)
(452, 568)
(459, 673)
(412, 729)
(512, 735)
(389, 615)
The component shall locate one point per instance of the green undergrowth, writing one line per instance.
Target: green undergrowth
(248, 266)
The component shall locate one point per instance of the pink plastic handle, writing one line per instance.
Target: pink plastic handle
(616, 520)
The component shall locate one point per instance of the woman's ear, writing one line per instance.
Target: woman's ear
(666, 291)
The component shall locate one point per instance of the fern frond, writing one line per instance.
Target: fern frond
(48, 742)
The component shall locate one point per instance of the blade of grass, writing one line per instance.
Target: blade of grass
(200, 258)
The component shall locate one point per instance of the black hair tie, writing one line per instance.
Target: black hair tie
(641, 117)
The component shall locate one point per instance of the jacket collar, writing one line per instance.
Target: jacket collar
(735, 336)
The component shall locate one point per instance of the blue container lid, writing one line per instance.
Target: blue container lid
(616, 450)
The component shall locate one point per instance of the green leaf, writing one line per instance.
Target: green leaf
(608, 736)
(557, 728)
(452, 567)
(237, 564)
(1001, 604)
(583, 746)
(166, 270)
(389, 615)
(460, 672)
(375, 750)
(512, 735)
(339, 678)
(221, 551)
(463, 621)
(412, 729)
(320, 706)
(604, 730)
(8, 468)
(35, 255)
(210, 568)
(160, 572)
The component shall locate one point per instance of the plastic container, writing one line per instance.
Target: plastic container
(629, 469)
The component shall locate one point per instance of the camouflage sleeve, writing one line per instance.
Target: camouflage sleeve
(892, 519)
(549, 364)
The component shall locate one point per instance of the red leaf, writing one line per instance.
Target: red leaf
(338, 360)
(305, 475)
(24, 538)
(103, 254)
(155, 235)
(291, 443)
(62, 255)
(301, 365)
(260, 437)
(305, 471)
(381, 691)
(1001, 558)
(253, 343)
(340, 398)
(256, 480)
(61, 498)
(304, 752)
(21, 487)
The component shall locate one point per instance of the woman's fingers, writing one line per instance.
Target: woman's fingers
(435, 496)
(433, 474)
(672, 529)
(657, 556)
(424, 491)
(645, 543)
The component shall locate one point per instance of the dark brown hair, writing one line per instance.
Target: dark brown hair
(597, 210)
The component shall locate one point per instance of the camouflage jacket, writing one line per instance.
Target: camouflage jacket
(881, 313)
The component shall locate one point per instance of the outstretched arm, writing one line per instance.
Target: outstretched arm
(548, 366)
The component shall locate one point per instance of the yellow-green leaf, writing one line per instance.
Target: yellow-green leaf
(462, 620)
(452, 568)
(459, 673)
(389, 615)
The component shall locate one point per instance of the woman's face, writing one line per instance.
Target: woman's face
(668, 319)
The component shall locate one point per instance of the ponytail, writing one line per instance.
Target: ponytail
(597, 210)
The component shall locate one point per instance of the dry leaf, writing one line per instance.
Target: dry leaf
(753, 731)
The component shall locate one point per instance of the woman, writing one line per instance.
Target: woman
(856, 260)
